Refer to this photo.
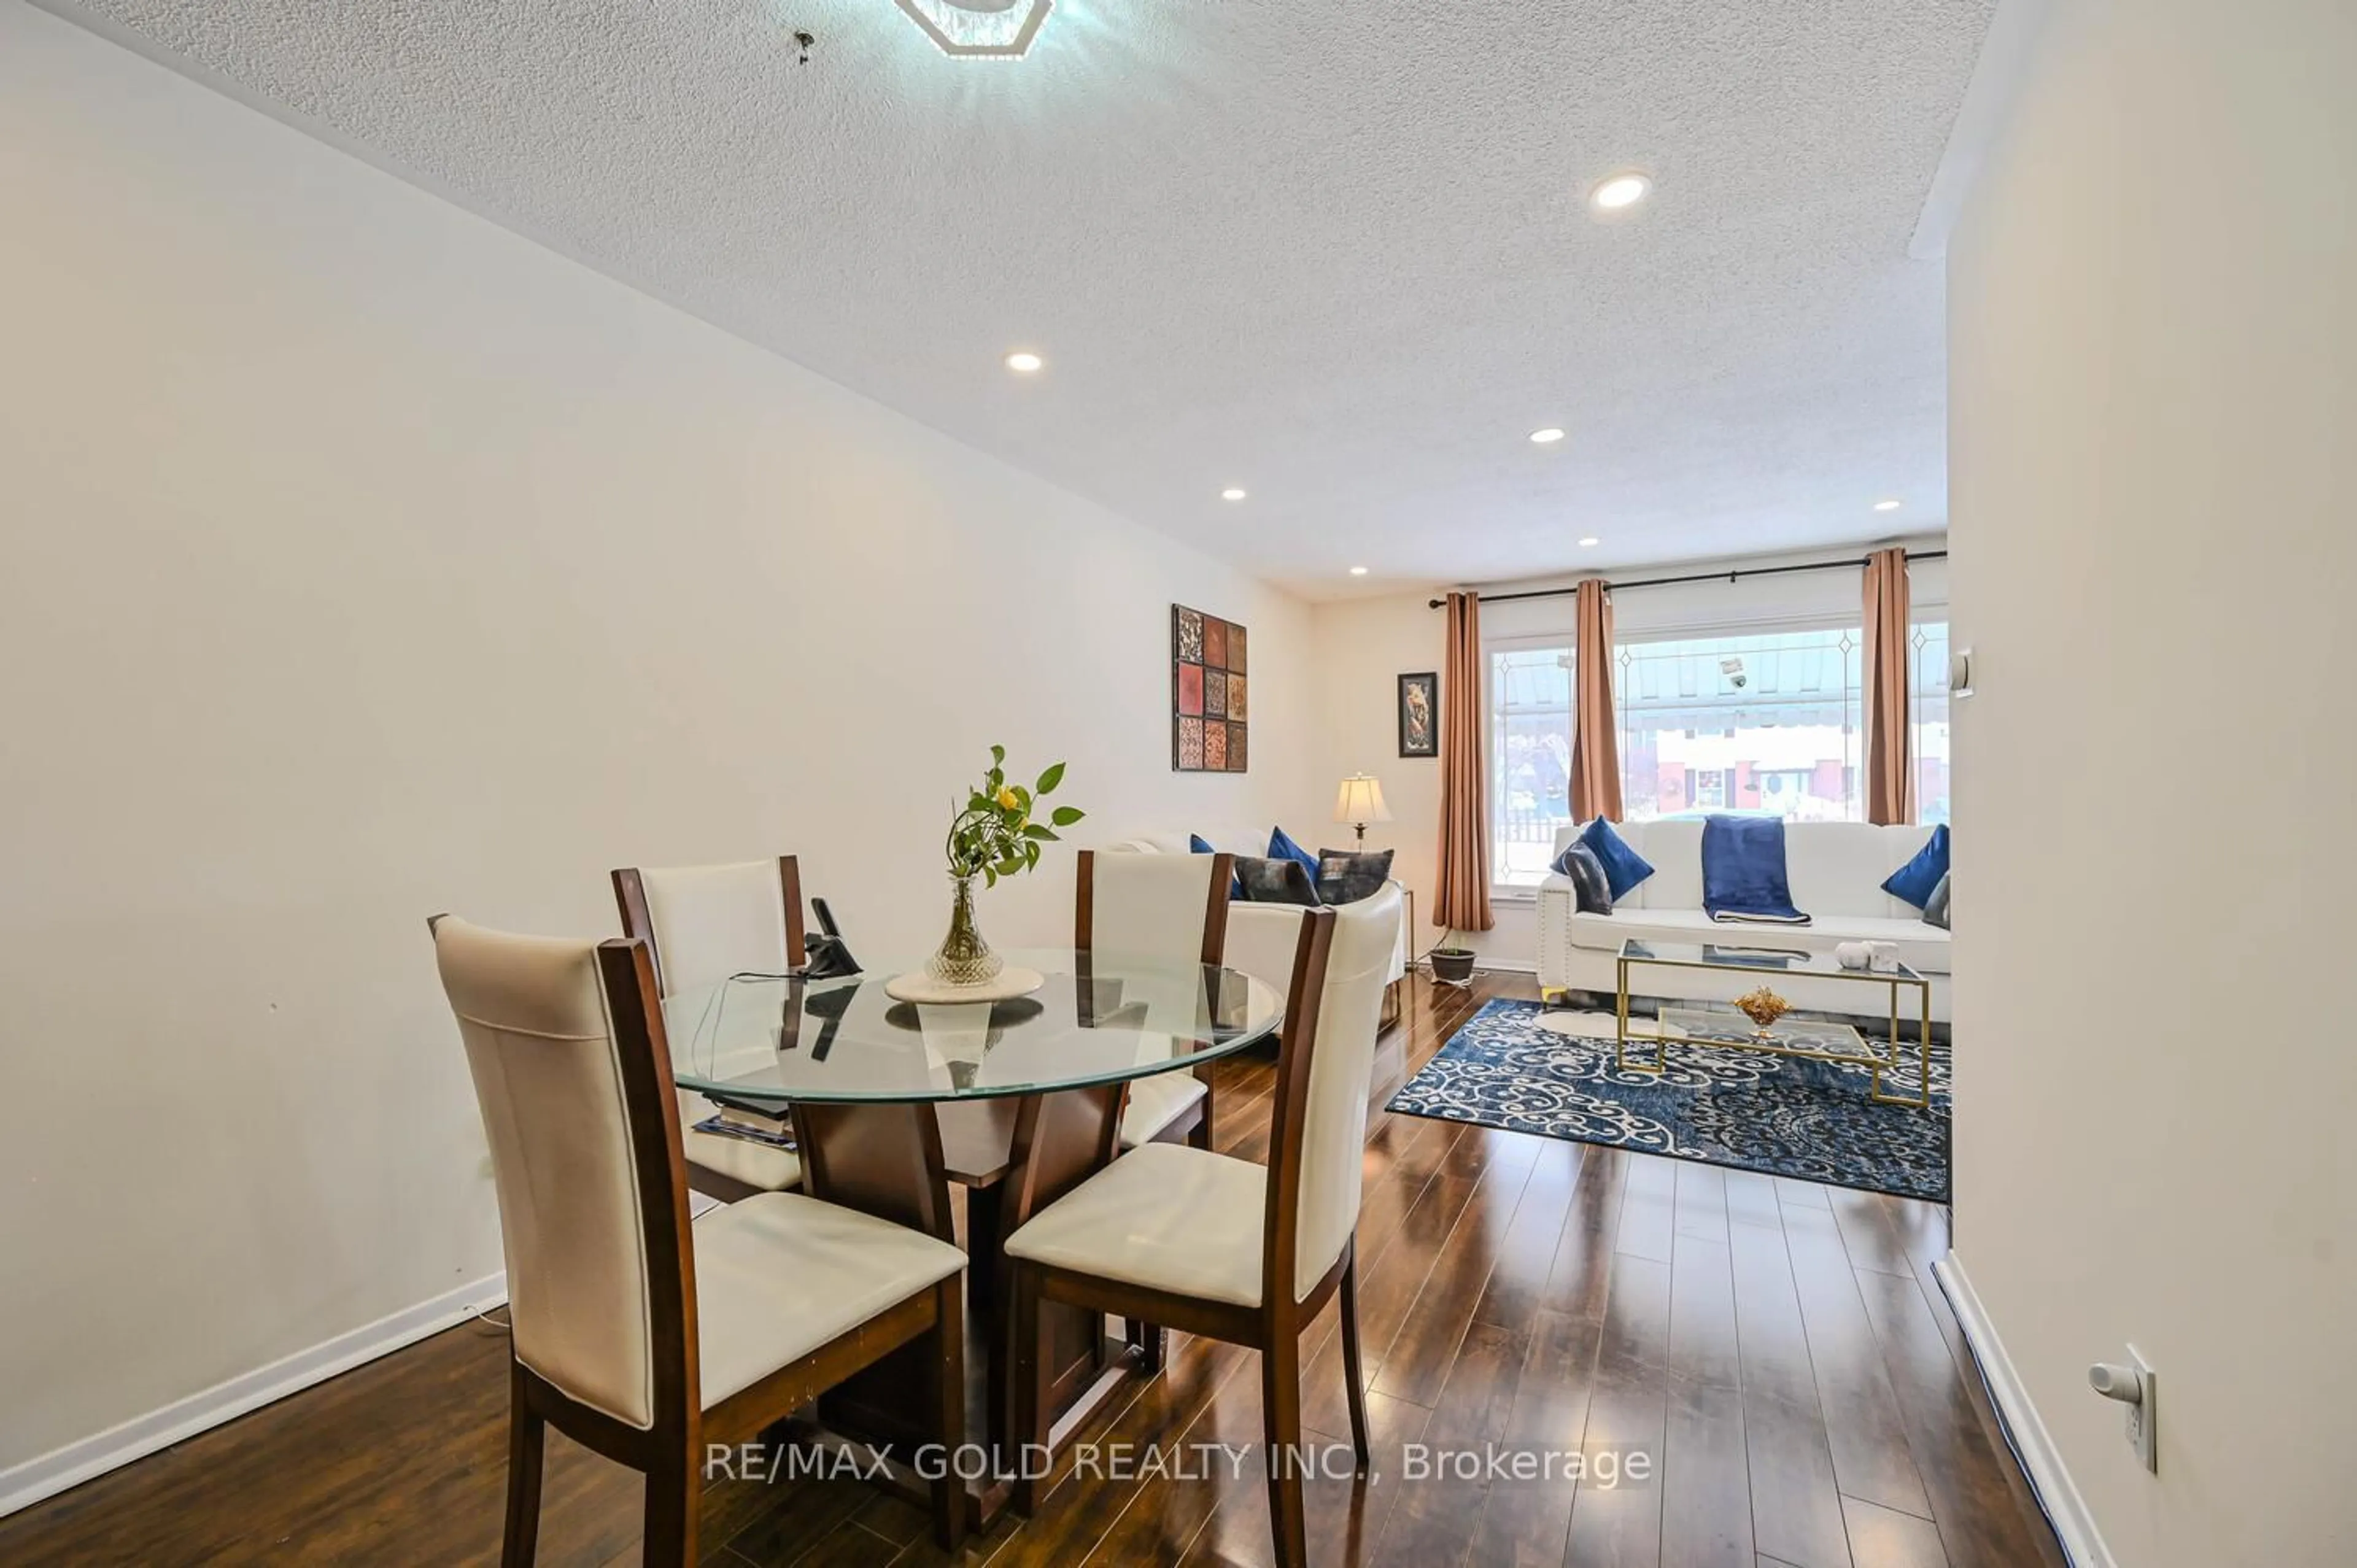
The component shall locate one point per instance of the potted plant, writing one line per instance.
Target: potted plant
(1451, 964)
(992, 836)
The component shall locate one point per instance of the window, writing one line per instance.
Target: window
(1769, 723)
(1753, 721)
(1530, 760)
(1927, 687)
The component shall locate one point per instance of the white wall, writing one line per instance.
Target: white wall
(2154, 367)
(364, 560)
(1365, 645)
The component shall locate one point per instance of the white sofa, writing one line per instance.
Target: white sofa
(1836, 871)
(1261, 936)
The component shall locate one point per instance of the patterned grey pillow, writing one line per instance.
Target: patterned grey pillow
(1277, 880)
(1345, 876)
(1589, 886)
(1935, 913)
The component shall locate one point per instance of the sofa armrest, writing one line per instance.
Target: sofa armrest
(1403, 953)
(1558, 904)
(1262, 938)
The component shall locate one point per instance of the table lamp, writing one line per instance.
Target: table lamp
(1360, 802)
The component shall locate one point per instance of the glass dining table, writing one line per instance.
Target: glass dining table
(1099, 1020)
(1013, 1101)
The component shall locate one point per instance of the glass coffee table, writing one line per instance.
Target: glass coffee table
(1749, 966)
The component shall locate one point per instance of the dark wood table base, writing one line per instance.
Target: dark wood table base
(1012, 1158)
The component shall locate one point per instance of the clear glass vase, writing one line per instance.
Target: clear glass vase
(963, 958)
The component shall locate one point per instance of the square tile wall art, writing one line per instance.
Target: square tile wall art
(1206, 694)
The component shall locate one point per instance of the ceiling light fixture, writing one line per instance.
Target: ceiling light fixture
(1358, 571)
(1885, 506)
(1546, 437)
(1232, 494)
(979, 29)
(1590, 542)
(1617, 191)
(1023, 362)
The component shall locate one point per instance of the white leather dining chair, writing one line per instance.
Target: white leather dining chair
(636, 1334)
(1208, 1244)
(702, 924)
(1172, 909)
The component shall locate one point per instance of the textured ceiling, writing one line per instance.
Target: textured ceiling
(1338, 254)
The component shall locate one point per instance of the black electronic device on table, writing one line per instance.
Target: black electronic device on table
(826, 955)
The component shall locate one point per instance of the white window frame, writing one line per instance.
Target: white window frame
(1566, 640)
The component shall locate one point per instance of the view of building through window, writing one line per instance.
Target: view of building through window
(1768, 722)
(1765, 722)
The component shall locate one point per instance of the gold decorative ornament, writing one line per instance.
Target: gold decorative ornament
(1763, 1007)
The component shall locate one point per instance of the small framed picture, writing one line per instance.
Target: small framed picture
(1419, 715)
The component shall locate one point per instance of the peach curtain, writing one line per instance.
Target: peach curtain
(1464, 901)
(1595, 724)
(1890, 737)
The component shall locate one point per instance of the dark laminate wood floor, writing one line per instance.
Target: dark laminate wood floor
(1780, 1348)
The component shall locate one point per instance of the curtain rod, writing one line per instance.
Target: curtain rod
(1728, 577)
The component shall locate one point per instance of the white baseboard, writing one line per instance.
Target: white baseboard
(21, 1485)
(2073, 1525)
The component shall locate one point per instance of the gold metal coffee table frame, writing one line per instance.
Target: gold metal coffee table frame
(1642, 956)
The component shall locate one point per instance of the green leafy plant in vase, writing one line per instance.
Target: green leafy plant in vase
(995, 834)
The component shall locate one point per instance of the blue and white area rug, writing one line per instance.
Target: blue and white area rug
(1783, 1115)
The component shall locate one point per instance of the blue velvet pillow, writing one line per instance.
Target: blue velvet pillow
(1624, 868)
(1915, 882)
(1283, 848)
(1198, 845)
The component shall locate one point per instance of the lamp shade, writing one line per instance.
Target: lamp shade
(1361, 800)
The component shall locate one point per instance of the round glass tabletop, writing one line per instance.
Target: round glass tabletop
(1100, 1018)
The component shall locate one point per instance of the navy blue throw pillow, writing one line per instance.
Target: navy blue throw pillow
(1591, 891)
(1915, 882)
(1283, 848)
(1198, 845)
(1624, 868)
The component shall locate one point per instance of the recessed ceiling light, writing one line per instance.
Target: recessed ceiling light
(1546, 437)
(1232, 494)
(1358, 571)
(1590, 542)
(1618, 191)
(1023, 362)
(1885, 506)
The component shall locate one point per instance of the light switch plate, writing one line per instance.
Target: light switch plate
(2143, 1416)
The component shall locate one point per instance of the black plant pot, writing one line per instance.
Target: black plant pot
(1452, 966)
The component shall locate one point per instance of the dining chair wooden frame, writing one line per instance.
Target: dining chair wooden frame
(1274, 1328)
(1194, 1124)
(668, 1453)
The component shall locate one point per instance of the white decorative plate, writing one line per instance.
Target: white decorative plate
(1008, 983)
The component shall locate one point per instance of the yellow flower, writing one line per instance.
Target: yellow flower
(1007, 799)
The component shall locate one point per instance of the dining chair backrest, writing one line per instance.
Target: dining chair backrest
(1324, 1067)
(1152, 906)
(573, 1080)
(709, 922)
